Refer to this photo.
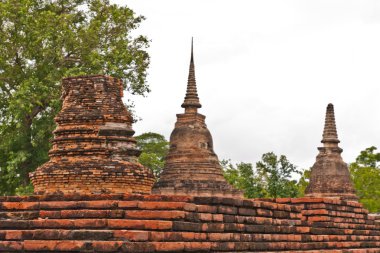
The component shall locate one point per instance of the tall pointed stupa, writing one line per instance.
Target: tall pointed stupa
(330, 176)
(192, 167)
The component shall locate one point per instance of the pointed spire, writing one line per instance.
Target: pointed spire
(191, 103)
(330, 135)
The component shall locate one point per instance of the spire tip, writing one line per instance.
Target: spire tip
(329, 132)
(191, 103)
(192, 54)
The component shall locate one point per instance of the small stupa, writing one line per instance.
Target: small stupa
(93, 147)
(191, 166)
(330, 176)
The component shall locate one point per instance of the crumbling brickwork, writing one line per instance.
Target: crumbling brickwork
(93, 148)
(153, 223)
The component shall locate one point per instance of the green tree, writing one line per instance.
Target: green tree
(154, 148)
(243, 177)
(303, 182)
(277, 172)
(42, 41)
(365, 173)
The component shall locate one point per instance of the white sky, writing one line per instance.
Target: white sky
(266, 71)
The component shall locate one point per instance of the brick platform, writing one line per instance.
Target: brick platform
(153, 223)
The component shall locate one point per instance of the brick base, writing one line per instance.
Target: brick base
(154, 223)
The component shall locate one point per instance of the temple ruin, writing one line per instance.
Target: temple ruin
(94, 196)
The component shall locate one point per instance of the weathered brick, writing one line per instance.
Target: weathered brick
(197, 246)
(247, 211)
(162, 205)
(106, 246)
(169, 246)
(227, 210)
(19, 205)
(153, 214)
(134, 236)
(187, 226)
(47, 245)
(11, 246)
(140, 224)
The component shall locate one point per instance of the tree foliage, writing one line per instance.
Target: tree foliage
(303, 182)
(245, 178)
(42, 41)
(277, 174)
(154, 148)
(272, 177)
(365, 173)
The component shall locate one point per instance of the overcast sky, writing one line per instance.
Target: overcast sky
(266, 71)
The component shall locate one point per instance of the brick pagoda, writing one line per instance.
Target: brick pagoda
(93, 148)
(330, 176)
(191, 166)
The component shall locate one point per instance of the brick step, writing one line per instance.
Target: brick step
(93, 197)
(351, 209)
(337, 231)
(342, 214)
(136, 247)
(150, 225)
(147, 215)
(153, 236)
(265, 209)
(335, 219)
(367, 250)
(328, 224)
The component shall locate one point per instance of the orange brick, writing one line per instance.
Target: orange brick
(144, 214)
(162, 205)
(127, 204)
(11, 246)
(140, 224)
(134, 236)
(169, 246)
(20, 205)
(197, 246)
(46, 245)
(106, 246)
(13, 235)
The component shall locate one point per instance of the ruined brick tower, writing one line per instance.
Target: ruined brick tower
(330, 176)
(192, 167)
(93, 148)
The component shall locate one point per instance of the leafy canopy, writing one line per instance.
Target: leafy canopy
(42, 41)
(154, 149)
(245, 178)
(303, 182)
(272, 177)
(365, 173)
(277, 174)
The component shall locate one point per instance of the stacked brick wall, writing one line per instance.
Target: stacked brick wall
(154, 223)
